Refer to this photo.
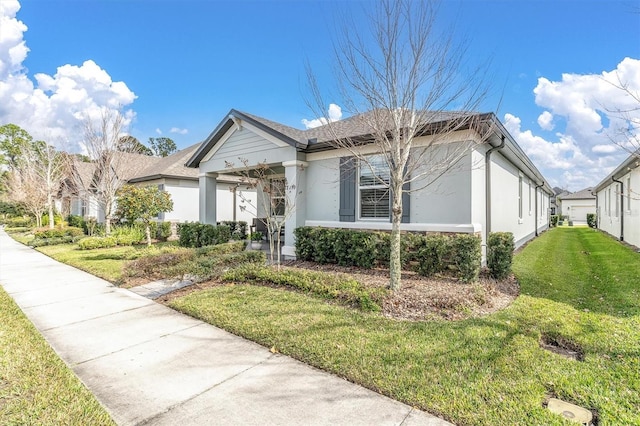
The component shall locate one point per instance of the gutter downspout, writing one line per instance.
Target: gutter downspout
(487, 170)
(597, 211)
(535, 221)
(621, 209)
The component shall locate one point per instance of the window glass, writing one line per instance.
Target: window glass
(374, 178)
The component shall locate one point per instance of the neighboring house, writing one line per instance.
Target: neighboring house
(576, 206)
(555, 200)
(494, 187)
(181, 182)
(75, 195)
(618, 198)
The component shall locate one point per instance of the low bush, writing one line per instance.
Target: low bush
(164, 231)
(76, 221)
(67, 231)
(304, 242)
(554, 220)
(225, 248)
(500, 246)
(592, 220)
(467, 256)
(41, 242)
(194, 234)
(433, 254)
(127, 235)
(353, 248)
(18, 222)
(323, 245)
(91, 243)
(154, 263)
(205, 268)
(238, 229)
(339, 287)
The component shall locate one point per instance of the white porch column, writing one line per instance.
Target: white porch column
(208, 185)
(296, 191)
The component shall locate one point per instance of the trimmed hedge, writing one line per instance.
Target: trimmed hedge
(554, 220)
(238, 228)
(426, 254)
(91, 243)
(500, 246)
(68, 231)
(40, 242)
(194, 234)
(592, 220)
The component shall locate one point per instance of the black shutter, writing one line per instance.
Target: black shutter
(406, 203)
(347, 190)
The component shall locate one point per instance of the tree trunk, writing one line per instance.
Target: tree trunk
(51, 219)
(147, 230)
(395, 262)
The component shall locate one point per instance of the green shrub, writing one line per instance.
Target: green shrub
(238, 228)
(339, 287)
(304, 242)
(433, 254)
(554, 220)
(194, 234)
(67, 231)
(40, 242)
(18, 222)
(467, 256)
(76, 221)
(127, 235)
(323, 245)
(591, 220)
(155, 263)
(164, 231)
(500, 246)
(219, 249)
(57, 219)
(91, 243)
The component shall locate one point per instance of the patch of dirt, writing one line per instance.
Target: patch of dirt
(562, 346)
(420, 298)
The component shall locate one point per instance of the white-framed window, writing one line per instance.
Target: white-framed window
(278, 196)
(373, 189)
(520, 196)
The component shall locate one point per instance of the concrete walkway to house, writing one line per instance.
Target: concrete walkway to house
(148, 364)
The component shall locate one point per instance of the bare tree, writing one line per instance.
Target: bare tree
(627, 134)
(25, 188)
(400, 87)
(276, 199)
(113, 163)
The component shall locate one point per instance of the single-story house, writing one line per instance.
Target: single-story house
(493, 187)
(555, 200)
(576, 206)
(169, 174)
(618, 198)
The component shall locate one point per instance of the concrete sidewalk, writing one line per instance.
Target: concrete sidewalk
(148, 364)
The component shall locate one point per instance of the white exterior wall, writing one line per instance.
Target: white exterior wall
(246, 203)
(185, 197)
(323, 190)
(608, 221)
(505, 203)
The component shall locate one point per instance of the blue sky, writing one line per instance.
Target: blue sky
(179, 66)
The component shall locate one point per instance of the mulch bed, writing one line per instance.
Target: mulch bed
(420, 298)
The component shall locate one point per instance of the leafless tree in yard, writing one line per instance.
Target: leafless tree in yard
(113, 166)
(627, 133)
(407, 88)
(35, 180)
(276, 198)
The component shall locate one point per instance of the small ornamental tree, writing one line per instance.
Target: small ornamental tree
(144, 204)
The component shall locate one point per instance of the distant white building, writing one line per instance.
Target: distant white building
(578, 205)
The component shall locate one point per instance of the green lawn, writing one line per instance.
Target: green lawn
(578, 286)
(36, 387)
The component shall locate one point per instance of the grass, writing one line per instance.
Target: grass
(107, 263)
(36, 387)
(578, 286)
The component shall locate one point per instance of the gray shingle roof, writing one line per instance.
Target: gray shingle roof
(170, 166)
(583, 194)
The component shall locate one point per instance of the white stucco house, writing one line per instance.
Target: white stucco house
(169, 174)
(576, 206)
(493, 186)
(618, 200)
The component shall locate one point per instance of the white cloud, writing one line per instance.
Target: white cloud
(179, 131)
(545, 120)
(582, 109)
(158, 131)
(334, 114)
(52, 107)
